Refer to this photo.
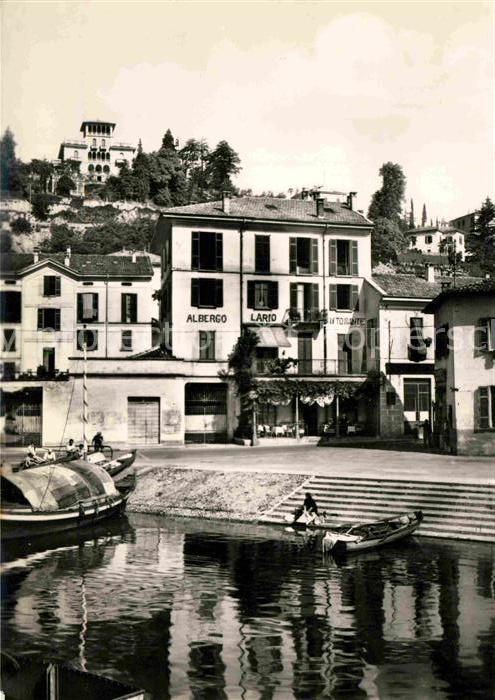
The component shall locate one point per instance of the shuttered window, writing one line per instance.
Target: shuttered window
(207, 293)
(87, 307)
(262, 295)
(126, 340)
(344, 297)
(49, 319)
(88, 338)
(128, 308)
(303, 256)
(8, 340)
(484, 408)
(485, 335)
(51, 286)
(343, 258)
(442, 342)
(262, 253)
(206, 251)
(10, 307)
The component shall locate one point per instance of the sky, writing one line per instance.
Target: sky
(308, 93)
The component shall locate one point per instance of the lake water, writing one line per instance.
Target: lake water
(198, 609)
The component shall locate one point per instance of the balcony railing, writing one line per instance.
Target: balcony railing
(309, 315)
(314, 367)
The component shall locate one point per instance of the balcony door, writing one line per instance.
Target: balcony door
(49, 360)
(305, 353)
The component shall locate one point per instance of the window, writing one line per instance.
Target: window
(205, 399)
(206, 251)
(303, 256)
(207, 293)
(206, 345)
(344, 297)
(304, 302)
(48, 319)
(87, 307)
(413, 240)
(417, 350)
(129, 308)
(428, 239)
(76, 155)
(442, 342)
(485, 335)
(8, 340)
(51, 286)
(93, 143)
(484, 408)
(88, 338)
(103, 143)
(91, 167)
(49, 360)
(262, 295)
(126, 340)
(10, 307)
(343, 257)
(262, 253)
(416, 395)
(8, 370)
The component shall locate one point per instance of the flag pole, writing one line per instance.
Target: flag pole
(85, 397)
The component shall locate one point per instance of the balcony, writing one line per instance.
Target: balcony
(312, 368)
(311, 316)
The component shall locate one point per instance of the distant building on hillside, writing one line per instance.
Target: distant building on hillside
(436, 240)
(466, 222)
(96, 155)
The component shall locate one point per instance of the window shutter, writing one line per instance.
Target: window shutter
(57, 286)
(123, 315)
(250, 294)
(46, 286)
(40, 318)
(315, 297)
(354, 258)
(219, 251)
(333, 297)
(95, 307)
(57, 319)
(195, 293)
(273, 295)
(79, 307)
(354, 297)
(219, 293)
(293, 255)
(481, 335)
(293, 295)
(333, 258)
(483, 406)
(195, 250)
(134, 308)
(314, 256)
(262, 253)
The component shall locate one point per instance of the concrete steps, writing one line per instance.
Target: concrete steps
(452, 510)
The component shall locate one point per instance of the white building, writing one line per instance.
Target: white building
(96, 152)
(465, 368)
(433, 240)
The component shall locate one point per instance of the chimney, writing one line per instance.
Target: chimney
(430, 273)
(350, 197)
(320, 203)
(226, 202)
(67, 257)
(36, 253)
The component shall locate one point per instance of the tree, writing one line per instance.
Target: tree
(21, 225)
(194, 156)
(167, 179)
(141, 174)
(65, 186)
(42, 203)
(42, 171)
(423, 216)
(388, 241)
(223, 163)
(386, 203)
(5, 241)
(241, 363)
(13, 174)
(481, 242)
(411, 215)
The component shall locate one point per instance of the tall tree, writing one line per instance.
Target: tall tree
(141, 174)
(386, 203)
(388, 241)
(481, 242)
(411, 215)
(424, 219)
(194, 156)
(167, 179)
(13, 175)
(223, 163)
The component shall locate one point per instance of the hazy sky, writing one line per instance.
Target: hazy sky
(307, 93)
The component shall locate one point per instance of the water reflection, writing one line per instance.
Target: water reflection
(187, 609)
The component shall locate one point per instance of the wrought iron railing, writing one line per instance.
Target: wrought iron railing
(312, 367)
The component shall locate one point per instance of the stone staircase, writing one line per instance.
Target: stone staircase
(451, 510)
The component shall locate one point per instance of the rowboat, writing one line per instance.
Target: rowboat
(63, 496)
(363, 536)
(112, 466)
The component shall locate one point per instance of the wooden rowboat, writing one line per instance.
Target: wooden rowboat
(50, 499)
(112, 466)
(364, 536)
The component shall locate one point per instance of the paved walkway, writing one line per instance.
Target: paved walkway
(334, 461)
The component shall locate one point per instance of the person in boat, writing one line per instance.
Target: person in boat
(71, 448)
(31, 456)
(81, 451)
(309, 508)
(50, 455)
(98, 442)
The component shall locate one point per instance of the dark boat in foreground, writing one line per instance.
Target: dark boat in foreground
(363, 536)
(62, 496)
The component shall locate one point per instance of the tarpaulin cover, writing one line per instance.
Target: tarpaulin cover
(49, 488)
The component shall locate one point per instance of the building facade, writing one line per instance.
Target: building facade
(96, 153)
(434, 240)
(465, 368)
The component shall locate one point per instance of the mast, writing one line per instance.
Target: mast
(85, 397)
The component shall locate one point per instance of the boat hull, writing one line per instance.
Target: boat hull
(23, 522)
(343, 543)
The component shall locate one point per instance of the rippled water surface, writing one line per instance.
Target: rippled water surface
(205, 610)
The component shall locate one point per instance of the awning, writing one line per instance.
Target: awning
(271, 337)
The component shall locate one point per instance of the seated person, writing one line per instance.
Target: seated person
(309, 509)
(71, 448)
(50, 455)
(32, 456)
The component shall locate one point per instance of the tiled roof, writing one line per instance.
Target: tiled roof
(156, 353)
(407, 286)
(432, 229)
(426, 258)
(275, 209)
(84, 265)
(481, 288)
